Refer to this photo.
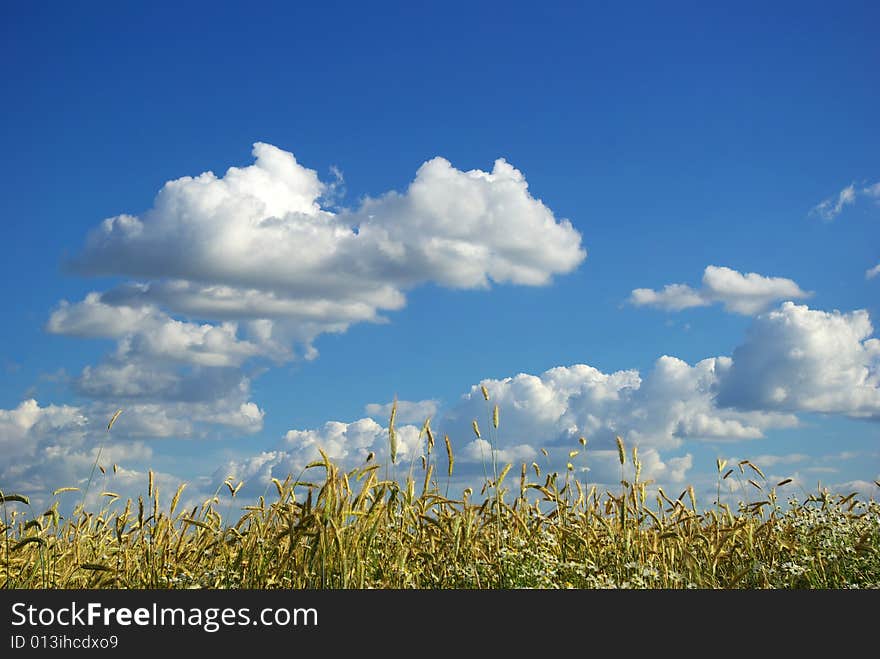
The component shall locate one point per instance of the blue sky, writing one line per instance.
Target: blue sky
(731, 151)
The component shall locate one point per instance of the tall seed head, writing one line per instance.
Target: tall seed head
(393, 412)
(449, 453)
(113, 419)
(430, 435)
(392, 441)
(392, 432)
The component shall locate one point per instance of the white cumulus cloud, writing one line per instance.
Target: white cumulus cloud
(793, 360)
(226, 271)
(256, 244)
(740, 293)
(54, 446)
(21, 425)
(407, 411)
(147, 331)
(672, 403)
(805, 360)
(346, 444)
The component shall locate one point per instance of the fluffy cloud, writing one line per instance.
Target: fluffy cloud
(262, 227)
(870, 273)
(255, 255)
(54, 446)
(19, 426)
(799, 359)
(164, 399)
(190, 420)
(793, 360)
(337, 440)
(92, 318)
(407, 411)
(176, 378)
(673, 297)
(147, 331)
(740, 293)
(232, 415)
(673, 402)
(304, 318)
(256, 244)
(130, 380)
(346, 444)
(479, 450)
(603, 466)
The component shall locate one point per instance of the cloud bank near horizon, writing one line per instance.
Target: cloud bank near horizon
(794, 360)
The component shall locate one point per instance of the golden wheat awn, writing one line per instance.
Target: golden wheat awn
(430, 435)
(449, 455)
(392, 434)
(113, 419)
(755, 469)
(503, 474)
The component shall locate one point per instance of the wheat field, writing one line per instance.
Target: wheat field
(358, 529)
